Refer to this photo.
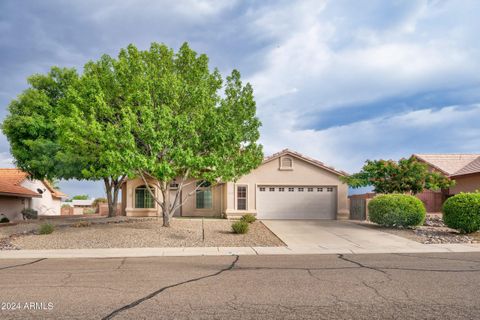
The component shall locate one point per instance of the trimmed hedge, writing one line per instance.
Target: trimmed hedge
(396, 210)
(462, 212)
(240, 227)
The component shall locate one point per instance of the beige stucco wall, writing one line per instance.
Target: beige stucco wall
(188, 196)
(12, 207)
(46, 204)
(224, 195)
(303, 174)
(468, 183)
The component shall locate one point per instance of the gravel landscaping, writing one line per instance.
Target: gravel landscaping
(433, 231)
(122, 232)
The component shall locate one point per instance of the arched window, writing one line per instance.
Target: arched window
(287, 163)
(143, 198)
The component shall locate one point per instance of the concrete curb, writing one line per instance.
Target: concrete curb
(223, 251)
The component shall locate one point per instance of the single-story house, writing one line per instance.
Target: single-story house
(463, 168)
(287, 185)
(84, 206)
(18, 192)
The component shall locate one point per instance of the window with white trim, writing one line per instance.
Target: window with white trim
(271, 189)
(291, 189)
(241, 197)
(262, 189)
(329, 189)
(300, 189)
(319, 189)
(281, 189)
(310, 189)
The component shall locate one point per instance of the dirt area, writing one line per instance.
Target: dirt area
(433, 231)
(124, 232)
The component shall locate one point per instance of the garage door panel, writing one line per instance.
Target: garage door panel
(318, 203)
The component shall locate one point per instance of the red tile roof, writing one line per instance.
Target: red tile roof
(10, 180)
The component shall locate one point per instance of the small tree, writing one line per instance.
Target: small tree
(405, 176)
(81, 197)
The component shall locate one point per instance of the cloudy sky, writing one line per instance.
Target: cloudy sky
(341, 81)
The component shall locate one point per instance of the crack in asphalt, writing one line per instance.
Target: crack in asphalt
(382, 269)
(121, 263)
(157, 292)
(23, 264)
(342, 257)
(434, 258)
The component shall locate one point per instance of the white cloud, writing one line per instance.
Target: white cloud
(6, 160)
(348, 146)
(331, 66)
(336, 56)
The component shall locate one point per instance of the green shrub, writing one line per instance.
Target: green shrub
(29, 213)
(396, 210)
(88, 211)
(4, 219)
(462, 212)
(240, 227)
(249, 218)
(46, 228)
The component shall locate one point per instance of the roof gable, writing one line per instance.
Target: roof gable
(288, 152)
(472, 167)
(452, 164)
(10, 180)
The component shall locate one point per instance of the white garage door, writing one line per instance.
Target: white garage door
(294, 202)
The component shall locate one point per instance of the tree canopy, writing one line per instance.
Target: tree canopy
(31, 127)
(175, 122)
(151, 113)
(405, 176)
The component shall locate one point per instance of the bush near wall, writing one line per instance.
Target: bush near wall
(240, 227)
(462, 212)
(396, 210)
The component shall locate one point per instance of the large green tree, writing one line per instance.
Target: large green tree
(405, 176)
(37, 129)
(181, 126)
(31, 129)
(93, 129)
(157, 114)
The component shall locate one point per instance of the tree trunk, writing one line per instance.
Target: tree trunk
(112, 187)
(166, 204)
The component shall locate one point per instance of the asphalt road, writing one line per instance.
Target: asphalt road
(377, 286)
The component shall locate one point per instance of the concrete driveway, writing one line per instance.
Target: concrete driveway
(338, 235)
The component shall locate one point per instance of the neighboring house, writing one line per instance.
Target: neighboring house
(287, 185)
(18, 192)
(83, 206)
(463, 168)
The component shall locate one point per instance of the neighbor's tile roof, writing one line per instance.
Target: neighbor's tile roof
(472, 167)
(308, 159)
(452, 164)
(10, 180)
